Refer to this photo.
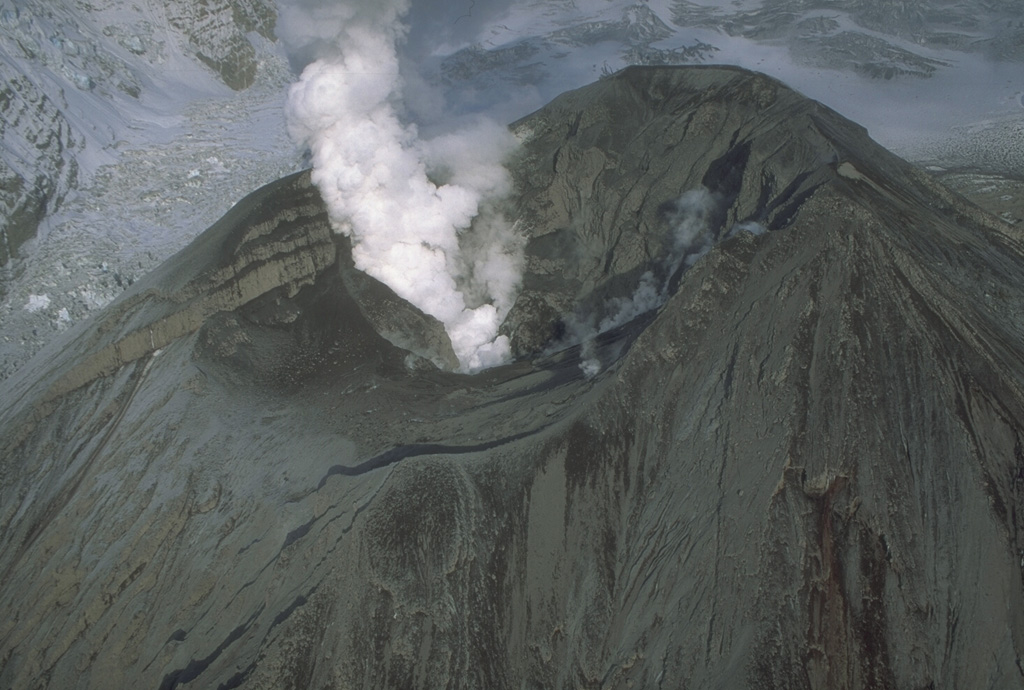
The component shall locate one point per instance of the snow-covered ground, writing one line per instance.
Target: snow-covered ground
(909, 89)
(169, 182)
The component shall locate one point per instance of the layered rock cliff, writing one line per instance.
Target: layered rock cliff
(802, 470)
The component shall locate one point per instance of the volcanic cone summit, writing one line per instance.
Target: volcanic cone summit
(763, 429)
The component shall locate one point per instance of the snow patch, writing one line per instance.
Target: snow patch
(37, 303)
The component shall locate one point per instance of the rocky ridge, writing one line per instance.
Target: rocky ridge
(38, 166)
(879, 40)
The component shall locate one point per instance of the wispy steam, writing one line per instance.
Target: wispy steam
(421, 213)
(690, 238)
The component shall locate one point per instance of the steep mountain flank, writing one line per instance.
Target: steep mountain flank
(803, 469)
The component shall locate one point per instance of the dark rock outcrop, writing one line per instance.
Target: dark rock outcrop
(37, 166)
(217, 33)
(802, 471)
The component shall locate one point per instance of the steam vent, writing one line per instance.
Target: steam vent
(802, 469)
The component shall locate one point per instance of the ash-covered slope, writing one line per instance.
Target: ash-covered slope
(803, 470)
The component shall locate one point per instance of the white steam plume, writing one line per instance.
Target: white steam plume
(421, 213)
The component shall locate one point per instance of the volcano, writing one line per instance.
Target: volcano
(801, 469)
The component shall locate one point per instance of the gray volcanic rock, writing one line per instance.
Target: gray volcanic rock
(37, 166)
(216, 32)
(68, 69)
(803, 470)
(999, 195)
